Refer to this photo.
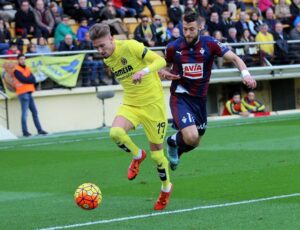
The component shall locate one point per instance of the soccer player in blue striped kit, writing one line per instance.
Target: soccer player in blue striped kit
(191, 58)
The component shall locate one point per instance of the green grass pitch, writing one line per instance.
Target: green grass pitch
(238, 160)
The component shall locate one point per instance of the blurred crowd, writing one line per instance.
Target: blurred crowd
(49, 26)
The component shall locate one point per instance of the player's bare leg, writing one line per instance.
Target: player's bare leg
(183, 141)
(118, 133)
(157, 154)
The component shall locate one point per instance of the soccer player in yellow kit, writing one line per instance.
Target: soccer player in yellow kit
(136, 68)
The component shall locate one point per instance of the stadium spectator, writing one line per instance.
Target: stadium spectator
(175, 12)
(266, 50)
(68, 44)
(13, 49)
(144, 103)
(4, 35)
(170, 27)
(241, 24)
(252, 104)
(213, 23)
(264, 5)
(235, 5)
(254, 23)
(108, 12)
(139, 6)
(160, 31)
(145, 32)
(218, 62)
(25, 21)
(226, 23)
(283, 12)
(232, 38)
(109, 16)
(295, 48)
(219, 6)
(250, 51)
(62, 30)
(91, 68)
(97, 6)
(44, 19)
(42, 46)
(85, 11)
(24, 83)
(122, 10)
(70, 8)
(31, 48)
(175, 34)
(281, 47)
(234, 106)
(204, 9)
(82, 29)
(270, 20)
(56, 13)
(190, 6)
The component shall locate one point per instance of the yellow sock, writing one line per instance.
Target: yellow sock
(162, 168)
(123, 140)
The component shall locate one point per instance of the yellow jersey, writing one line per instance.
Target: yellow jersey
(130, 57)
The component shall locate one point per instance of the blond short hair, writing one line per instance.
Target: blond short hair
(99, 30)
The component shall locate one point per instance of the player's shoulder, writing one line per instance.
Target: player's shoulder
(207, 39)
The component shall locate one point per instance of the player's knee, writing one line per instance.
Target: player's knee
(116, 134)
(191, 139)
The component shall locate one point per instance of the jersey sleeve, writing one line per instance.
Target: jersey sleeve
(170, 53)
(217, 47)
(143, 53)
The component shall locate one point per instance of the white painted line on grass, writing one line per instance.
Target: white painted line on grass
(170, 212)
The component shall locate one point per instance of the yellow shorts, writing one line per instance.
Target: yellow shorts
(152, 117)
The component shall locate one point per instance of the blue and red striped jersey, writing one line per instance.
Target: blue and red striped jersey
(193, 64)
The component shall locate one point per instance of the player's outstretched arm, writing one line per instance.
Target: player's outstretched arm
(248, 80)
(167, 75)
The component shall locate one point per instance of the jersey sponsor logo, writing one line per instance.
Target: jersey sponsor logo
(192, 70)
(123, 61)
(122, 71)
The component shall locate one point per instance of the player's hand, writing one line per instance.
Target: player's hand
(249, 81)
(137, 77)
(166, 75)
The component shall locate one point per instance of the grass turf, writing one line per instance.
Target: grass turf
(238, 160)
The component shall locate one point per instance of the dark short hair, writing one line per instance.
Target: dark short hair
(190, 16)
(20, 55)
(236, 93)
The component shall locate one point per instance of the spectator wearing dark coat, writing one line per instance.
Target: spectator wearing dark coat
(145, 32)
(70, 8)
(214, 24)
(219, 7)
(175, 12)
(68, 44)
(25, 21)
(281, 47)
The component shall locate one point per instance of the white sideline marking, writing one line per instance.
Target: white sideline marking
(170, 212)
